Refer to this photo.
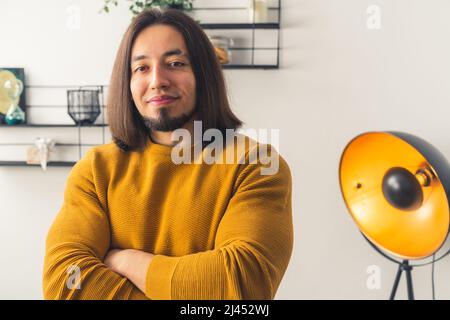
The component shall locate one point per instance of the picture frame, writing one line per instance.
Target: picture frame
(8, 74)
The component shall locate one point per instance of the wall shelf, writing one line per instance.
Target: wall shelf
(239, 66)
(240, 25)
(34, 125)
(79, 144)
(24, 164)
(251, 55)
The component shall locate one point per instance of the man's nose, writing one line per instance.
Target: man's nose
(159, 78)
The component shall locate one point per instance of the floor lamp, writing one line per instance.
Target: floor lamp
(396, 187)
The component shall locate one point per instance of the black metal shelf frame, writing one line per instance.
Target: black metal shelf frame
(24, 164)
(240, 25)
(249, 26)
(103, 125)
(43, 125)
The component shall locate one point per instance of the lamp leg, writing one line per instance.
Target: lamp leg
(409, 284)
(397, 280)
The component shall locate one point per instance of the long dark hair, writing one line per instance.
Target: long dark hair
(125, 122)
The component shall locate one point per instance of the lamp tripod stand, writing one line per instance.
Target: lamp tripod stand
(403, 266)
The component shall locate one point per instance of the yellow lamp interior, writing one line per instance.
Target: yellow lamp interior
(408, 234)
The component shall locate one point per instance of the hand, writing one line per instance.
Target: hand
(116, 260)
(130, 263)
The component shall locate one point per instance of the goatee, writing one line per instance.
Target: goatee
(167, 123)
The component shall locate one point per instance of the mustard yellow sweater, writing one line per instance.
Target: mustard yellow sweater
(219, 231)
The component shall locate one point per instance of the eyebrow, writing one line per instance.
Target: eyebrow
(175, 52)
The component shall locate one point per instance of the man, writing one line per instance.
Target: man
(135, 225)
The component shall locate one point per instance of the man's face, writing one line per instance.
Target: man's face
(162, 80)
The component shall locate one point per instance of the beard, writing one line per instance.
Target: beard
(166, 123)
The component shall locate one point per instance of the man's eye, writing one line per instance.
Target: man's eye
(141, 69)
(176, 64)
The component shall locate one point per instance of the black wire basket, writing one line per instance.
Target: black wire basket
(83, 105)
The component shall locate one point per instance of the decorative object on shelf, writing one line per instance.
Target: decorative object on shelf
(258, 11)
(12, 95)
(222, 46)
(83, 105)
(40, 152)
(137, 6)
(396, 187)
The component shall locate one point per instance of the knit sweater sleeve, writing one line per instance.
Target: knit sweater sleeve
(253, 246)
(77, 243)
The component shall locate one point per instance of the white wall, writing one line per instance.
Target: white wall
(337, 79)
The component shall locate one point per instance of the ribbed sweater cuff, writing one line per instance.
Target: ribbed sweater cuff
(159, 277)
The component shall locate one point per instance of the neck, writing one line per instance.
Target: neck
(164, 138)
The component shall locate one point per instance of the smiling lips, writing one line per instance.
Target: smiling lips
(162, 100)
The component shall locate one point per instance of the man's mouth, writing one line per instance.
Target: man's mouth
(162, 100)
